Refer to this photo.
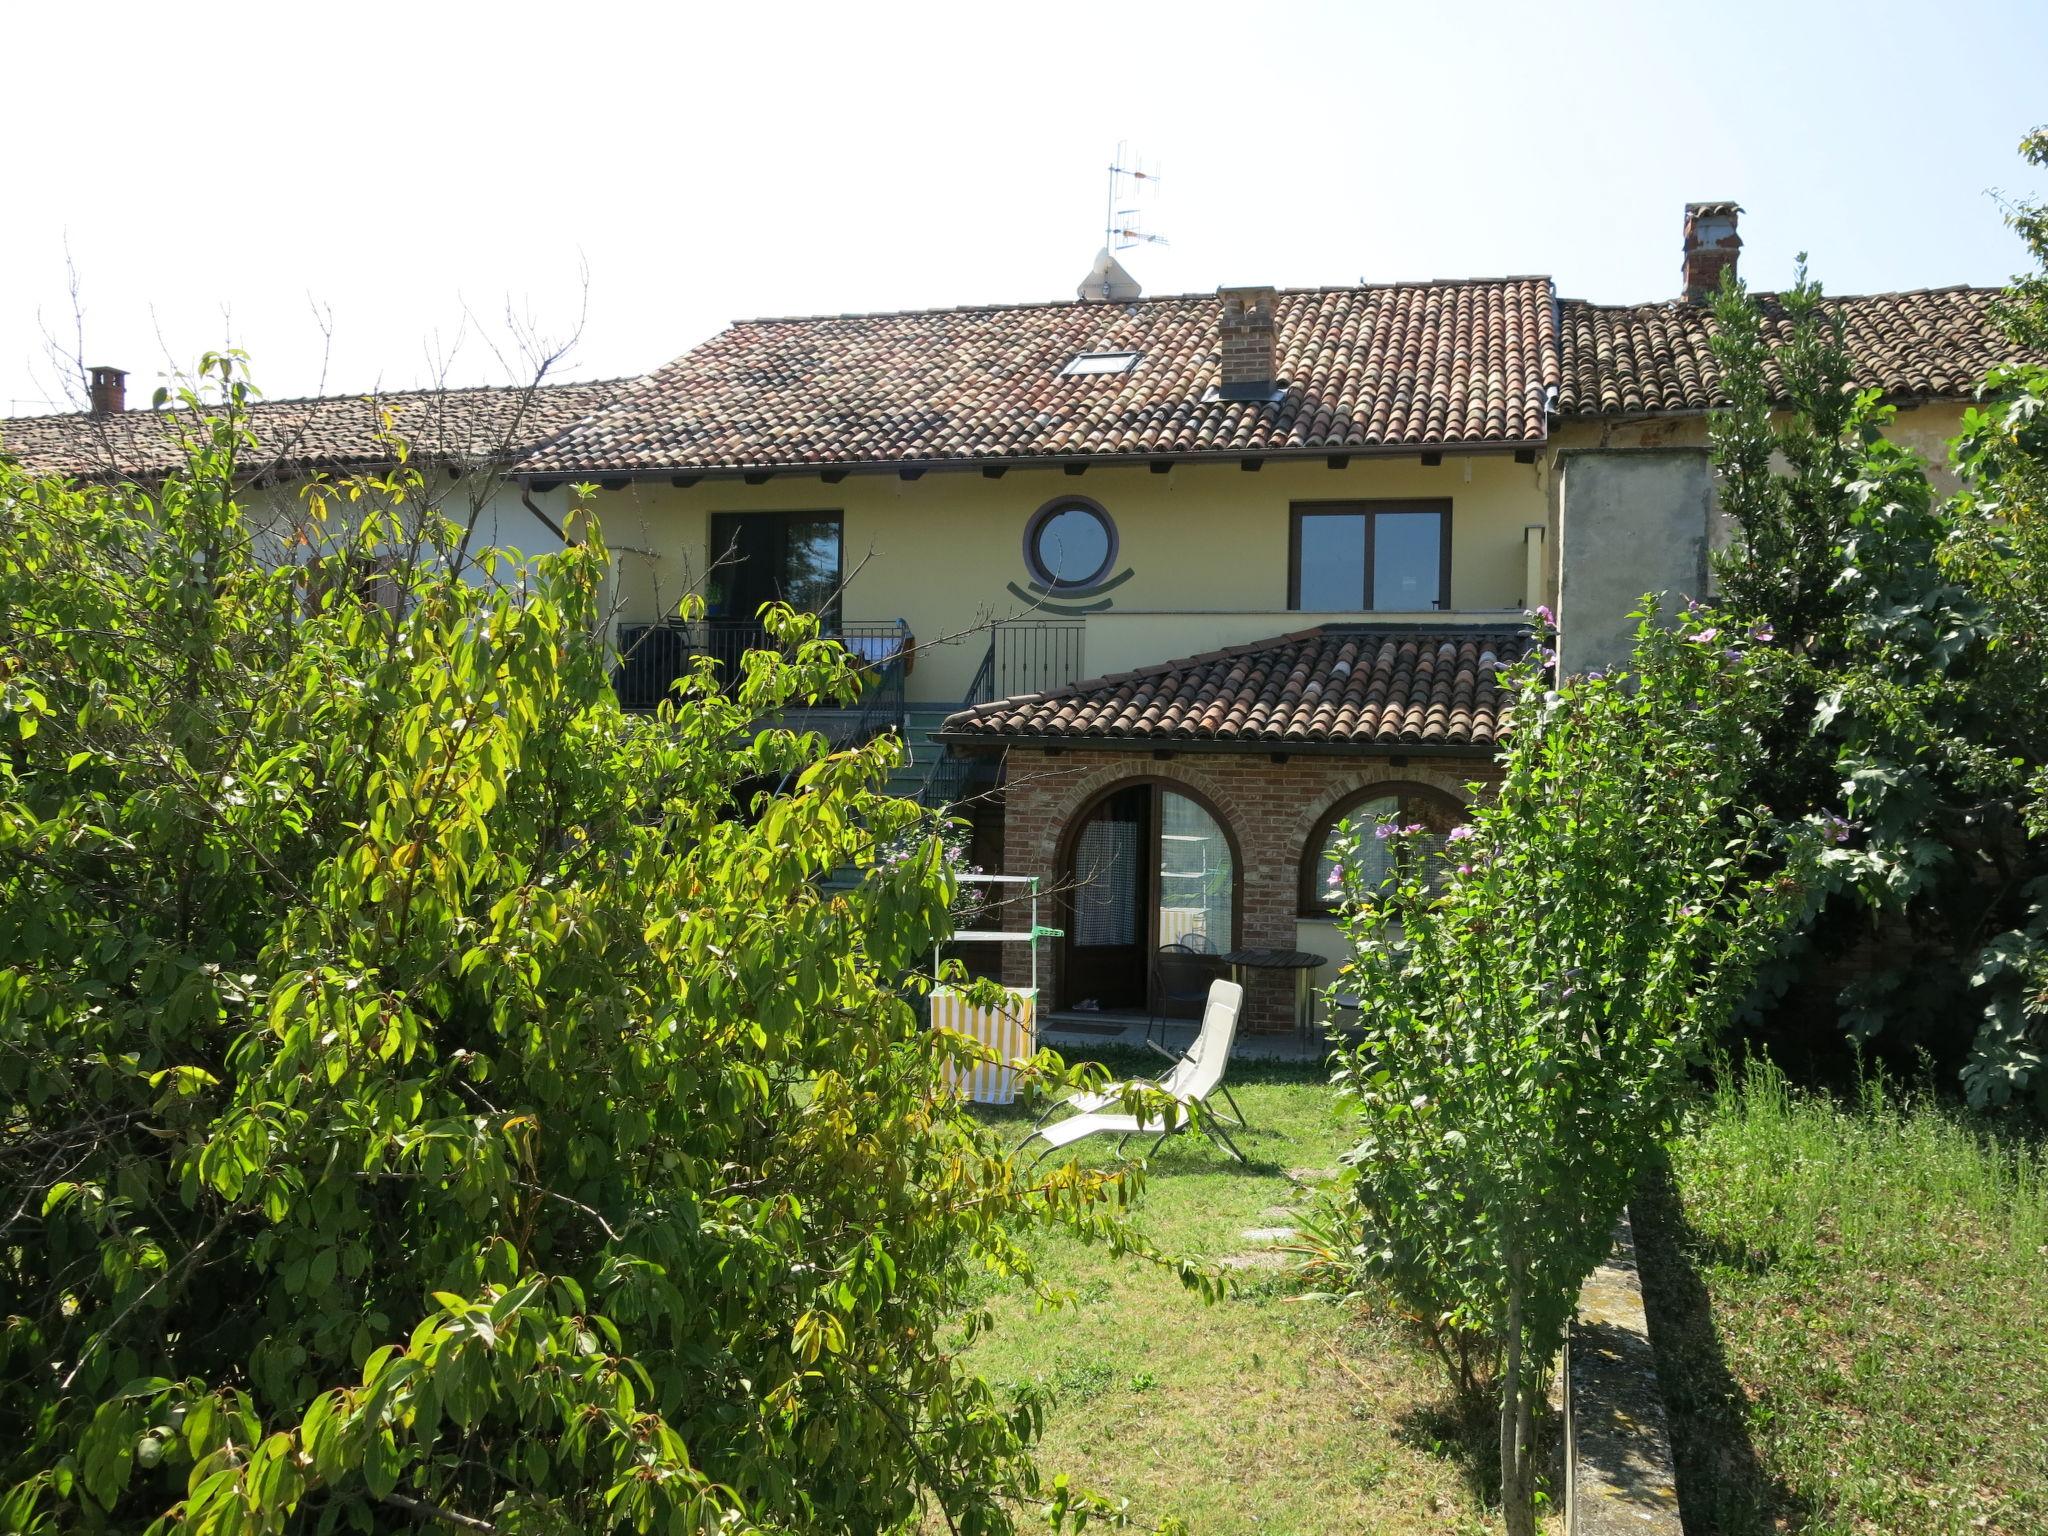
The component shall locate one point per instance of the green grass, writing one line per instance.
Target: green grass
(1850, 1306)
(1260, 1413)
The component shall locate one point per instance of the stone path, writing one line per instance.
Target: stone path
(1265, 1256)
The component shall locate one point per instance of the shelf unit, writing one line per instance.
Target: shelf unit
(1029, 934)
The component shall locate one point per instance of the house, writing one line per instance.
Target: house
(1184, 582)
(463, 439)
(1162, 590)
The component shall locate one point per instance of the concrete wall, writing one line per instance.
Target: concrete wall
(1630, 521)
(943, 551)
(1924, 426)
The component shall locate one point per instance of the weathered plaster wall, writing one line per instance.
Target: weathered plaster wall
(1924, 426)
(1269, 808)
(492, 504)
(1630, 521)
(1632, 510)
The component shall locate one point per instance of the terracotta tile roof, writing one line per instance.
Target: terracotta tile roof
(330, 432)
(1335, 686)
(1629, 359)
(1407, 365)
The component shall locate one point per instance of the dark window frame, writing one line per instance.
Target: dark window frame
(1315, 876)
(1045, 514)
(786, 516)
(1370, 510)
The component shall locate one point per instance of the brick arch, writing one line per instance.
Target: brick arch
(1452, 784)
(1089, 786)
(1270, 802)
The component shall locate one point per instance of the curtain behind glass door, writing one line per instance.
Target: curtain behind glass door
(768, 557)
(1197, 884)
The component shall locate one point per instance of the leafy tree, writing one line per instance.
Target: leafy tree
(434, 1096)
(2026, 312)
(1528, 1028)
(1912, 626)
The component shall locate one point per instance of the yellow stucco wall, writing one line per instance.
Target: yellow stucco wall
(1204, 539)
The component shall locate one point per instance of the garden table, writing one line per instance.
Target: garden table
(1299, 961)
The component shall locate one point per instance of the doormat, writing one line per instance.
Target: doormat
(1074, 1027)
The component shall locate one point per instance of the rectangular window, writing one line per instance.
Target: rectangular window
(1367, 556)
(768, 557)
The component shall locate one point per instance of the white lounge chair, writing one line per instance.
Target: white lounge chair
(1218, 1026)
(1190, 1080)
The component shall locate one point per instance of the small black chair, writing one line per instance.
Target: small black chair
(1180, 976)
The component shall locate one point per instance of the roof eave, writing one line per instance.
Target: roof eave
(1470, 447)
(1264, 747)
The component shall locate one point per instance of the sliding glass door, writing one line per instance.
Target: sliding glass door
(768, 557)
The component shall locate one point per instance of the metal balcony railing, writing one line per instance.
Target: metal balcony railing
(653, 656)
(1024, 656)
(1034, 656)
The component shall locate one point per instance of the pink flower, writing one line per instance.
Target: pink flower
(1460, 834)
(1704, 637)
(1464, 869)
(1543, 612)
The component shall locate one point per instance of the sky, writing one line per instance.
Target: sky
(391, 196)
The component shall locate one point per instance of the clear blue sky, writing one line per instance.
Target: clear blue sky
(217, 170)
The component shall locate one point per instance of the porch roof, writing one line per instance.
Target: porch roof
(1332, 688)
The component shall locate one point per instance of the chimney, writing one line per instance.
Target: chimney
(1711, 247)
(1246, 344)
(109, 390)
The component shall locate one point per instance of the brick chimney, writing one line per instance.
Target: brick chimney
(1246, 343)
(109, 390)
(1711, 247)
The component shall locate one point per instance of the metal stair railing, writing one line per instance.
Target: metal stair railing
(946, 781)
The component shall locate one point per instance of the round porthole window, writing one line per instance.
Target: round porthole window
(1069, 543)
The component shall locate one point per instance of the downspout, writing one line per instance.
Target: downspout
(526, 501)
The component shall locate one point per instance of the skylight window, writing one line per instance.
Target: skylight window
(1099, 362)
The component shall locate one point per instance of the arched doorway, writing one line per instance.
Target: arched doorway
(1147, 863)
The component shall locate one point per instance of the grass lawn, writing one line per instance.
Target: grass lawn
(1850, 1307)
(1258, 1414)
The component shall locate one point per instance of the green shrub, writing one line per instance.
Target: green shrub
(433, 1095)
(1527, 1027)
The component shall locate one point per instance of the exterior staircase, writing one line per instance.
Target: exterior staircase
(919, 721)
(912, 778)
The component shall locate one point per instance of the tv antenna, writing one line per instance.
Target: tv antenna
(1131, 183)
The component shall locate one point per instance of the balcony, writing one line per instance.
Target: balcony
(652, 657)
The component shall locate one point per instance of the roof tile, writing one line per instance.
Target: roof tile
(1385, 688)
(1415, 364)
(330, 432)
(1639, 359)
